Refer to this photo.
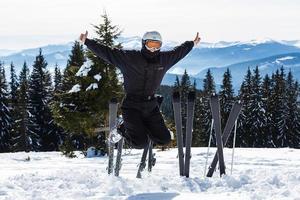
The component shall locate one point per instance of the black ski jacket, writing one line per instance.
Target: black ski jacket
(142, 70)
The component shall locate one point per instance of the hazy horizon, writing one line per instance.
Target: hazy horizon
(30, 44)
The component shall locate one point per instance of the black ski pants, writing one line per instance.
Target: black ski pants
(143, 121)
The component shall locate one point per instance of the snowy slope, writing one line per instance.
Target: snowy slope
(257, 174)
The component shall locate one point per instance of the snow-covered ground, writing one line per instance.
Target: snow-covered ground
(257, 174)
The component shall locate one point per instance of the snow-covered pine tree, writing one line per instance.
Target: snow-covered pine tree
(75, 61)
(185, 87)
(244, 138)
(54, 137)
(102, 83)
(5, 115)
(297, 118)
(279, 109)
(267, 86)
(293, 114)
(209, 88)
(258, 112)
(63, 105)
(198, 112)
(13, 99)
(22, 139)
(40, 91)
(199, 130)
(84, 107)
(226, 100)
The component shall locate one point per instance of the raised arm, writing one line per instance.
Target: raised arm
(110, 55)
(170, 58)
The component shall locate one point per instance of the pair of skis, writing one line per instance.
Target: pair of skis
(151, 160)
(184, 160)
(113, 110)
(221, 139)
(148, 149)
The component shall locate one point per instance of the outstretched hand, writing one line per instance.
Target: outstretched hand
(83, 36)
(197, 39)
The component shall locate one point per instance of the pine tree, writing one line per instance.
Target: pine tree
(297, 117)
(185, 87)
(51, 140)
(22, 139)
(5, 115)
(63, 105)
(75, 61)
(244, 138)
(209, 86)
(226, 100)
(82, 111)
(40, 91)
(208, 89)
(108, 86)
(293, 114)
(13, 83)
(258, 114)
(199, 121)
(267, 86)
(279, 109)
(13, 98)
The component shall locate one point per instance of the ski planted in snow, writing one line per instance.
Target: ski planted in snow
(189, 131)
(119, 157)
(215, 111)
(113, 109)
(234, 113)
(178, 124)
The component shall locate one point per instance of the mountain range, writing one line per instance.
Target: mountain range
(267, 54)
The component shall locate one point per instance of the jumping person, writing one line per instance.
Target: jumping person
(143, 71)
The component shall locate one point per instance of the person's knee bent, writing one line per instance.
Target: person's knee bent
(165, 138)
(139, 144)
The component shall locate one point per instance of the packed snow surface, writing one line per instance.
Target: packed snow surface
(257, 174)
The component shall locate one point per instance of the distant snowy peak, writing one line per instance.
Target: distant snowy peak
(295, 43)
(254, 42)
(221, 44)
(249, 43)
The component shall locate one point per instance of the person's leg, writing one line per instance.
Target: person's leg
(157, 130)
(135, 130)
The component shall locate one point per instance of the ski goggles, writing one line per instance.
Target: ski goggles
(153, 44)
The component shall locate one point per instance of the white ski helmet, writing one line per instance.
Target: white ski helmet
(151, 35)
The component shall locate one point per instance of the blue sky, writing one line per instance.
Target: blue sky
(31, 23)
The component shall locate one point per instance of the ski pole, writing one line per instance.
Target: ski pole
(209, 143)
(234, 138)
